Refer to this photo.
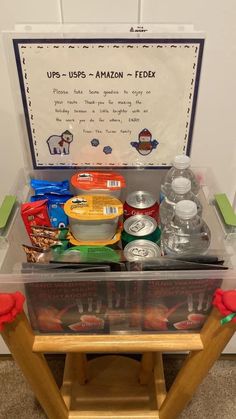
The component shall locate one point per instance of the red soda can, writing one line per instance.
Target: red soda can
(141, 202)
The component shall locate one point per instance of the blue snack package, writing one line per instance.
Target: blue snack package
(57, 216)
(56, 198)
(42, 187)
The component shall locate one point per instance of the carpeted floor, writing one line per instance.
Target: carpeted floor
(215, 398)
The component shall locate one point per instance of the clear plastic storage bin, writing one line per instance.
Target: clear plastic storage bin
(114, 302)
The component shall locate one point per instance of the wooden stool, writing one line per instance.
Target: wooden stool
(114, 386)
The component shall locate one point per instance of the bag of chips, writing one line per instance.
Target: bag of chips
(42, 187)
(35, 213)
(46, 242)
(54, 233)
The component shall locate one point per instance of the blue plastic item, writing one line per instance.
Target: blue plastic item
(42, 187)
(57, 215)
(56, 198)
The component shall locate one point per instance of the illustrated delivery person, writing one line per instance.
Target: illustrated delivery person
(145, 144)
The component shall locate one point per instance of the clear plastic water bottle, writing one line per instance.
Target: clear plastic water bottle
(187, 233)
(180, 190)
(181, 167)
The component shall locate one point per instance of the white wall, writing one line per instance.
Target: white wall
(214, 134)
(214, 142)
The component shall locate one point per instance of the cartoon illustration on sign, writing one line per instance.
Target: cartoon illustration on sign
(94, 142)
(145, 144)
(107, 149)
(60, 144)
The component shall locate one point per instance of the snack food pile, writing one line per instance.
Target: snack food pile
(62, 218)
(92, 225)
(67, 222)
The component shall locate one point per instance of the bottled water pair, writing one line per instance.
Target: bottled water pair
(180, 190)
(181, 168)
(183, 230)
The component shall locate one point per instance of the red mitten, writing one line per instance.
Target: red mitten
(225, 301)
(10, 306)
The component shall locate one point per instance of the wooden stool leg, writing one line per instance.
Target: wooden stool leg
(196, 366)
(147, 365)
(82, 369)
(75, 370)
(159, 379)
(77, 367)
(19, 338)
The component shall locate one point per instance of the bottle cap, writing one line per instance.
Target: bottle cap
(181, 185)
(181, 161)
(186, 209)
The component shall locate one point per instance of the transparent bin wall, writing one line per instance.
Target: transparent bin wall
(116, 302)
(12, 254)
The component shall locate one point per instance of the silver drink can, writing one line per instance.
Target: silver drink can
(140, 199)
(140, 225)
(140, 250)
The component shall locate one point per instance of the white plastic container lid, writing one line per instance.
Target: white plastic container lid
(181, 185)
(181, 161)
(186, 209)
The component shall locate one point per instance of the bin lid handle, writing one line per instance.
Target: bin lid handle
(6, 209)
(226, 209)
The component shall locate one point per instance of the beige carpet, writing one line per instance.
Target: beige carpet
(215, 398)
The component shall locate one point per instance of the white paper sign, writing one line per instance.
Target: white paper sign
(108, 102)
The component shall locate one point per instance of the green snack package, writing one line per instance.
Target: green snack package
(87, 254)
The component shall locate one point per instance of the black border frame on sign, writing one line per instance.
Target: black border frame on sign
(18, 41)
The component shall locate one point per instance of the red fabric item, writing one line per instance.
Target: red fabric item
(225, 301)
(10, 306)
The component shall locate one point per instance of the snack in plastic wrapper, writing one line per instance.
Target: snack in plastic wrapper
(47, 242)
(51, 232)
(57, 215)
(53, 197)
(36, 254)
(42, 187)
(35, 213)
(88, 254)
(55, 203)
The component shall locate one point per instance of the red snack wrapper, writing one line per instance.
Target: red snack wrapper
(35, 214)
